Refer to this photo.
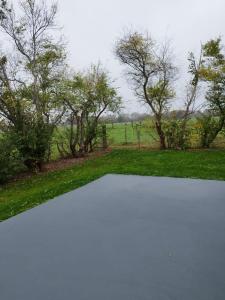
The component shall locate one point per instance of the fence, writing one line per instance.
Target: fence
(131, 134)
(134, 134)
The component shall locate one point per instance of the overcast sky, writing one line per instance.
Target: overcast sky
(91, 28)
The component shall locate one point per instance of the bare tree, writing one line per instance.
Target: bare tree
(195, 66)
(177, 128)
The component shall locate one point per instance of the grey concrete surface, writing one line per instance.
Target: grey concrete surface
(119, 238)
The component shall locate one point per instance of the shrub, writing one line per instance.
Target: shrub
(177, 136)
(209, 127)
(10, 163)
(32, 140)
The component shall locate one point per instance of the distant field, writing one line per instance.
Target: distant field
(122, 134)
(128, 133)
(136, 134)
(119, 134)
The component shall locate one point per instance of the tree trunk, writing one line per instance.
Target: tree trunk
(40, 165)
(161, 135)
(209, 138)
(104, 137)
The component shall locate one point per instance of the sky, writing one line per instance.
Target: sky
(91, 28)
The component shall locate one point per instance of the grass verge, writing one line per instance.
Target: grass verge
(25, 194)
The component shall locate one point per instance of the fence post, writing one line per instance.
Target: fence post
(138, 137)
(104, 137)
(125, 133)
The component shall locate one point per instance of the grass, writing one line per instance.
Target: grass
(122, 133)
(25, 194)
(116, 136)
(148, 136)
(128, 134)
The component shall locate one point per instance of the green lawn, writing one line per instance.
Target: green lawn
(18, 197)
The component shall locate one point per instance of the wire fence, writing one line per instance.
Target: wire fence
(134, 134)
(125, 134)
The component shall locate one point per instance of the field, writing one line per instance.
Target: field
(139, 134)
(143, 134)
(131, 134)
(27, 193)
(134, 151)
(135, 135)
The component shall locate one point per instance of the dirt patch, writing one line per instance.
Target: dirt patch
(61, 164)
(68, 162)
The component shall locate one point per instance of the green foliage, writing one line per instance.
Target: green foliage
(213, 67)
(9, 159)
(151, 71)
(86, 97)
(36, 92)
(29, 104)
(213, 73)
(208, 127)
(33, 142)
(213, 49)
(177, 136)
(160, 90)
(194, 68)
(216, 96)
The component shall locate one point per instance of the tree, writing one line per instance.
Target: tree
(213, 73)
(176, 124)
(86, 97)
(192, 88)
(29, 79)
(151, 72)
(10, 163)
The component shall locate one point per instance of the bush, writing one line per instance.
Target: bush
(177, 136)
(209, 127)
(10, 163)
(32, 139)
